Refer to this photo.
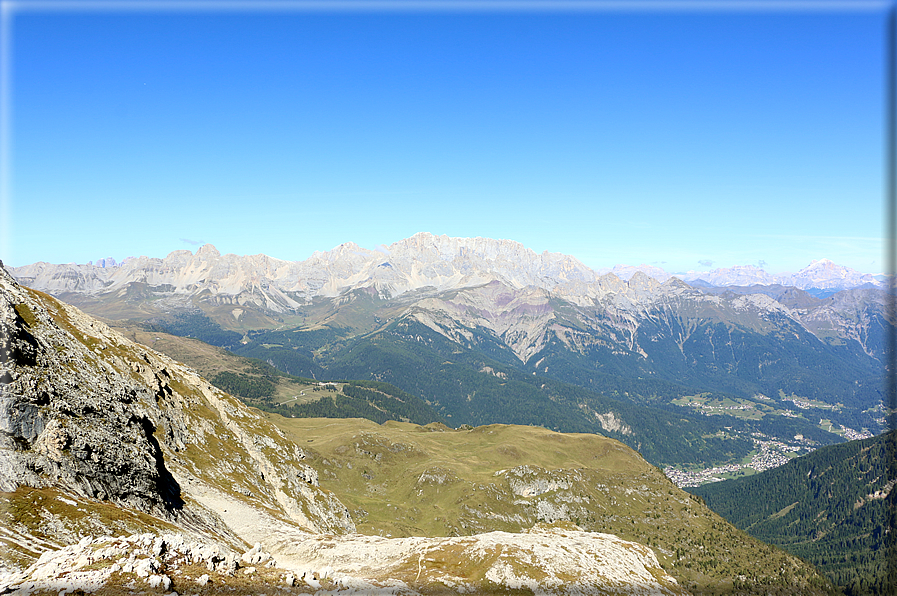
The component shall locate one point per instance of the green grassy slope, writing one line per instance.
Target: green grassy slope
(405, 480)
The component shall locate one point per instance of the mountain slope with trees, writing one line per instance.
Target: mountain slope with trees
(833, 507)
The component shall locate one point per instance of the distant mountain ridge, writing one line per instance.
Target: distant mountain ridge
(421, 261)
(822, 274)
(496, 284)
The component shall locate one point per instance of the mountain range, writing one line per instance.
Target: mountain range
(123, 470)
(423, 261)
(506, 335)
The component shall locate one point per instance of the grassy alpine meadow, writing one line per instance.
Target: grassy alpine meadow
(400, 479)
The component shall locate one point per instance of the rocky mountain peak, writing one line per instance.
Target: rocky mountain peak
(675, 282)
(208, 251)
(640, 281)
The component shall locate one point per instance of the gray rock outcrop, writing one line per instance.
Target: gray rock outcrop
(89, 413)
(68, 419)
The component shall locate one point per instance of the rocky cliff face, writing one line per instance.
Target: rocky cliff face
(70, 418)
(87, 414)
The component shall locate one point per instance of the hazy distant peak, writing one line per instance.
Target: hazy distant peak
(641, 280)
(625, 272)
(207, 250)
(345, 250)
(452, 247)
(104, 263)
(825, 265)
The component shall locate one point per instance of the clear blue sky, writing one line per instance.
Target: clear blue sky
(684, 138)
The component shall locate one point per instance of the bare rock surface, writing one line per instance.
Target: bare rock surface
(544, 560)
(89, 413)
(131, 563)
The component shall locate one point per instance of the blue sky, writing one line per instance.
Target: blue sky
(688, 138)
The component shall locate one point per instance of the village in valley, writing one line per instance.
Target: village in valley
(769, 453)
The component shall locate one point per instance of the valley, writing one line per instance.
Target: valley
(768, 451)
(492, 323)
(767, 454)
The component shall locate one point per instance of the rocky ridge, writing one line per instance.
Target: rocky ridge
(611, 314)
(423, 261)
(94, 418)
(538, 560)
(497, 562)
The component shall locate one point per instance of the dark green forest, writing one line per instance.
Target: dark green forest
(372, 400)
(198, 325)
(449, 384)
(379, 404)
(834, 508)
